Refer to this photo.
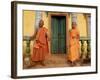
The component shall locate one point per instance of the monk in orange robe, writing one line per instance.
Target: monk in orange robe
(74, 55)
(40, 46)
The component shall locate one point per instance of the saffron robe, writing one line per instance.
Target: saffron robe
(40, 46)
(74, 46)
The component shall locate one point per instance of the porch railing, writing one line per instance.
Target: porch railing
(85, 49)
(27, 41)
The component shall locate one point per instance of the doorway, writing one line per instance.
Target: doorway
(58, 34)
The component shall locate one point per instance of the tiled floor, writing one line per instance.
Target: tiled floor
(56, 60)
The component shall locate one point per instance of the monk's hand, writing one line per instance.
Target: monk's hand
(32, 37)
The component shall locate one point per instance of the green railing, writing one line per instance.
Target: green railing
(27, 40)
(85, 48)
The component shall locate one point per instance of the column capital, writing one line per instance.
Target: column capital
(74, 17)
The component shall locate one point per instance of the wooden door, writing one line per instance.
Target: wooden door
(58, 33)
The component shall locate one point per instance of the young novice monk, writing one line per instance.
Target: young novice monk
(74, 55)
(40, 46)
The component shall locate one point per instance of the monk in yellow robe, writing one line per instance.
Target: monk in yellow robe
(40, 46)
(74, 55)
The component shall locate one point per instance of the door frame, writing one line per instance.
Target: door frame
(59, 14)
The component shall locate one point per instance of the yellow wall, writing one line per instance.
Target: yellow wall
(82, 25)
(28, 22)
(28, 25)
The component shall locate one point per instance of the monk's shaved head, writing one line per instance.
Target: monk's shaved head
(74, 25)
(41, 23)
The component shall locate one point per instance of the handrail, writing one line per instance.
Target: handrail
(82, 41)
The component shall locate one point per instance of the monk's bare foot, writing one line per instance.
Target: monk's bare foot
(42, 63)
(73, 64)
(69, 62)
(31, 65)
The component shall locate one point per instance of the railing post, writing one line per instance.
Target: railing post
(28, 47)
(27, 50)
(88, 49)
(85, 58)
(82, 48)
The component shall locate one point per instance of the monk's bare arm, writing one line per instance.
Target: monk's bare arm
(34, 35)
(47, 36)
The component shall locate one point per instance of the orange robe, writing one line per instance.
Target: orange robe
(40, 48)
(74, 46)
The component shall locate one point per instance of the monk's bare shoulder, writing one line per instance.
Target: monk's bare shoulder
(46, 30)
